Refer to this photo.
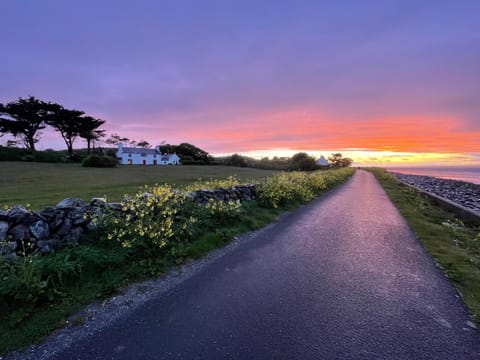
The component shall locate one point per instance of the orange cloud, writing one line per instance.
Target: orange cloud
(304, 131)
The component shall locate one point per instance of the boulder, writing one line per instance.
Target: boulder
(77, 215)
(7, 247)
(70, 203)
(3, 230)
(4, 215)
(17, 214)
(48, 246)
(65, 228)
(98, 202)
(48, 213)
(74, 236)
(40, 230)
(57, 220)
(19, 233)
(115, 206)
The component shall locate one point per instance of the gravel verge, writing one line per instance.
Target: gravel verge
(460, 192)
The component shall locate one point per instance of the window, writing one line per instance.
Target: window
(154, 162)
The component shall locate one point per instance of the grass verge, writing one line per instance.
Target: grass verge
(455, 245)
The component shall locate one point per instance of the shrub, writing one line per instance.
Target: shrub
(284, 188)
(99, 161)
(153, 221)
(48, 156)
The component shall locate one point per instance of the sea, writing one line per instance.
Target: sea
(463, 173)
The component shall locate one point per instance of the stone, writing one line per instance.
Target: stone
(40, 230)
(48, 213)
(70, 203)
(48, 246)
(17, 214)
(115, 206)
(3, 230)
(7, 247)
(98, 202)
(77, 215)
(74, 236)
(4, 215)
(65, 228)
(19, 233)
(57, 220)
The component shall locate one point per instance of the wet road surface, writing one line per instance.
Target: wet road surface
(340, 278)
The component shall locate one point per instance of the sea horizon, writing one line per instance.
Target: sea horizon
(468, 173)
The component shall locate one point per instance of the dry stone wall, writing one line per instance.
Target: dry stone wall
(24, 231)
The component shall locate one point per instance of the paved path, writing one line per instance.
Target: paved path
(341, 278)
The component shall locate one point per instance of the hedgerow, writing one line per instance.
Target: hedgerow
(286, 187)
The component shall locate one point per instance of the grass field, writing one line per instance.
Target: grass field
(44, 184)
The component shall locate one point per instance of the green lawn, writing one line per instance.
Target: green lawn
(43, 184)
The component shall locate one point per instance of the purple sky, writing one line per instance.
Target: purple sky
(240, 76)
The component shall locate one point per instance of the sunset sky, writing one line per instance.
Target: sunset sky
(384, 82)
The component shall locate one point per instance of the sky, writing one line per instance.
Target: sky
(384, 82)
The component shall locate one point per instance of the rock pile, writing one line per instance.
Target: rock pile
(460, 192)
(24, 232)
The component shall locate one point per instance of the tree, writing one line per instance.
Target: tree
(24, 119)
(144, 144)
(89, 130)
(187, 151)
(67, 123)
(236, 160)
(303, 162)
(337, 161)
(116, 139)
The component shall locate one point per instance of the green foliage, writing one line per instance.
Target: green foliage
(66, 122)
(303, 162)
(24, 118)
(283, 188)
(89, 130)
(99, 161)
(188, 153)
(236, 160)
(338, 161)
(154, 221)
(11, 153)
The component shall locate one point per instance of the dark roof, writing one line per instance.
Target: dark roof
(131, 150)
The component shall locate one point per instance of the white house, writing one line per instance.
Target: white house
(140, 156)
(322, 161)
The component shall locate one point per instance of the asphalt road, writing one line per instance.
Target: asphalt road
(341, 278)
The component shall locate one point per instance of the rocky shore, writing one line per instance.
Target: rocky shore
(460, 192)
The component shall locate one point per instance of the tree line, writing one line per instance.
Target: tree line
(25, 118)
(300, 161)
